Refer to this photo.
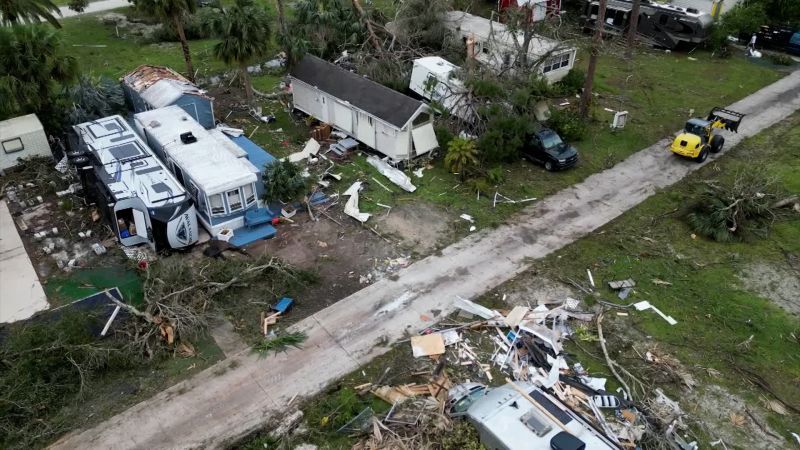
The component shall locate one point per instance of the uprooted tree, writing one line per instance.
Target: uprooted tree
(48, 363)
(744, 207)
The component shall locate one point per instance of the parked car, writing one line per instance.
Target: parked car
(545, 146)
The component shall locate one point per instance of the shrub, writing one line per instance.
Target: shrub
(443, 135)
(572, 83)
(462, 157)
(780, 59)
(504, 138)
(283, 181)
(496, 175)
(568, 124)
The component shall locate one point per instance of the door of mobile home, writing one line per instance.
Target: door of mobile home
(365, 129)
(133, 222)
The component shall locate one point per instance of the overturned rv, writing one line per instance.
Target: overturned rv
(392, 123)
(138, 196)
(215, 171)
(496, 46)
(660, 24)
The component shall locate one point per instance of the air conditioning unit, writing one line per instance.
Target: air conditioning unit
(188, 138)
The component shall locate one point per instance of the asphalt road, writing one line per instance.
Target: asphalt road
(215, 407)
(102, 5)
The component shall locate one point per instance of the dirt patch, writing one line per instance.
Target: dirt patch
(346, 257)
(532, 289)
(775, 283)
(420, 225)
(714, 405)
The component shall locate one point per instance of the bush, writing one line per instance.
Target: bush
(572, 83)
(283, 181)
(443, 135)
(504, 138)
(496, 175)
(568, 124)
(780, 59)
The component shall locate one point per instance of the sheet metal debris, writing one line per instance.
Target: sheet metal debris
(395, 176)
(351, 207)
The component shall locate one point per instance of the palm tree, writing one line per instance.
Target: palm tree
(244, 30)
(462, 157)
(597, 41)
(28, 11)
(34, 62)
(173, 13)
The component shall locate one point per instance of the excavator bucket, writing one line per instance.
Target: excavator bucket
(730, 120)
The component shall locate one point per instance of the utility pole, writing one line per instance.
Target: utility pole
(633, 27)
(597, 41)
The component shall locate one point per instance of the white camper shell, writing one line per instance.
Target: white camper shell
(494, 45)
(22, 137)
(214, 170)
(434, 78)
(146, 204)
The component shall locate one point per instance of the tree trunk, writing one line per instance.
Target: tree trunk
(187, 55)
(248, 86)
(633, 27)
(372, 36)
(597, 41)
(284, 32)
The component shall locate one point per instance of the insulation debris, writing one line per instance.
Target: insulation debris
(395, 176)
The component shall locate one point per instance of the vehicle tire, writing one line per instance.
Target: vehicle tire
(548, 166)
(703, 155)
(717, 144)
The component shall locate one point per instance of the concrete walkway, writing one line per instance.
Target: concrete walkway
(94, 7)
(213, 408)
(21, 293)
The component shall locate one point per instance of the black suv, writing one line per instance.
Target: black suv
(544, 146)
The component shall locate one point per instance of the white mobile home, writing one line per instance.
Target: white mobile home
(494, 45)
(22, 137)
(143, 202)
(435, 79)
(383, 119)
(214, 170)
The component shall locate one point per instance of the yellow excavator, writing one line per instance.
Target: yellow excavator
(701, 136)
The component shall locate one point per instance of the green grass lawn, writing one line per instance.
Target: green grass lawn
(126, 52)
(715, 311)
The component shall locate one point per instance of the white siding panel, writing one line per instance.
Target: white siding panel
(343, 116)
(365, 129)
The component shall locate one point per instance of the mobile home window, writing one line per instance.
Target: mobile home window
(217, 206)
(234, 200)
(249, 194)
(13, 145)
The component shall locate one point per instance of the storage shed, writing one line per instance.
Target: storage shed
(392, 123)
(22, 137)
(495, 47)
(153, 87)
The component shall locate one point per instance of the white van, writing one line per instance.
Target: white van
(434, 78)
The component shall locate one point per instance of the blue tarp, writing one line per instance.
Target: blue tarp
(257, 155)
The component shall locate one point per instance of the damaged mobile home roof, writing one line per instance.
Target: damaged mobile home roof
(484, 29)
(374, 98)
(160, 86)
(213, 161)
(19, 126)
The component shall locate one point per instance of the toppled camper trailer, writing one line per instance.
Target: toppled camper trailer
(495, 47)
(383, 119)
(22, 137)
(215, 171)
(434, 78)
(660, 24)
(522, 416)
(139, 197)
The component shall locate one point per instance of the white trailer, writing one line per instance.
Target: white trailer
(22, 137)
(435, 79)
(392, 123)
